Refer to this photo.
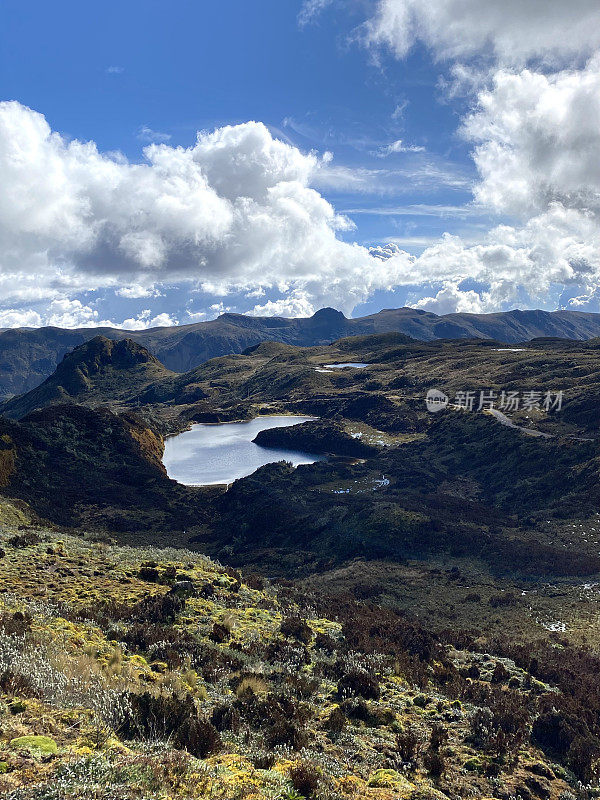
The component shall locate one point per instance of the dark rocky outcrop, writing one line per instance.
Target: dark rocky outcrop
(318, 436)
(101, 370)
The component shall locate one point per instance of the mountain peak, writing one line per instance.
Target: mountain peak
(101, 352)
(328, 314)
(103, 369)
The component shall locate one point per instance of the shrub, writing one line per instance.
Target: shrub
(323, 641)
(286, 733)
(263, 760)
(198, 737)
(502, 600)
(149, 574)
(302, 685)
(336, 721)
(360, 683)
(356, 709)
(407, 744)
(17, 624)
(296, 628)
(254, 581)
(225, 718)
(220, 633)
(438, 737)
(159, 608)
(24, 539)
(170, 717)
(500, 727)
(564, 735)
(500, 673)
(304, 778)
(434, 762)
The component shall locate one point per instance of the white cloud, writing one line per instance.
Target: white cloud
(236, 210)
(450, 298)
(146, 134)
(115, 70)
(426, 175)
(512, 31)
(535, 127)
(296, 304)
(137, 291)
(397, 147)
(311, 9)
(145, 320)
(537, 140)
(17, 318)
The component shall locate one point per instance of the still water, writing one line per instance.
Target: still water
(222, 453)
(355, 364)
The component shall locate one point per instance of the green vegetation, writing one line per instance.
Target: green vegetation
(112, 678)
(428, 627)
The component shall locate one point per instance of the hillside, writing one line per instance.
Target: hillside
(138, 673)
(99, 371)
(418, 613)
(28, 356)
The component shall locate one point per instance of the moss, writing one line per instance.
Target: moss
(43, 745)
(389, 779)
(474, 764)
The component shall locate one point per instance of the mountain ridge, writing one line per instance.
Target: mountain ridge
(29, 355)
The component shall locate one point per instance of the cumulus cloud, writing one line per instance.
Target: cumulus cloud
(240, 210)
(146, 320)
(296, 304)
(512, 31)
(137, 291)
(531, 71)
(451, 298)
(537, 140)
(235, 210)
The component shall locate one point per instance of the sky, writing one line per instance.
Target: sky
(163, 163)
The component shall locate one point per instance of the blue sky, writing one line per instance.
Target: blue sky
(118, 68)
(397, 162)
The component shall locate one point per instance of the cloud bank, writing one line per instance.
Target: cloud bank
(534, 123)
(510, 31)
(235, 210)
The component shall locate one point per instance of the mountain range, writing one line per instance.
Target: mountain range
(29, 355)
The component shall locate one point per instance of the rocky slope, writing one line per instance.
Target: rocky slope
(99, 371)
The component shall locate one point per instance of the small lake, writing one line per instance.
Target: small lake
(355, 364)
(222, 453)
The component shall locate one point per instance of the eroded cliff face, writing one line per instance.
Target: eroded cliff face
(150, 442)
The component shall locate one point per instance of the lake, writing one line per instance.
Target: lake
(355, 364)
(222, 453)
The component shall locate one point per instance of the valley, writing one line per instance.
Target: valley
(483, 541)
